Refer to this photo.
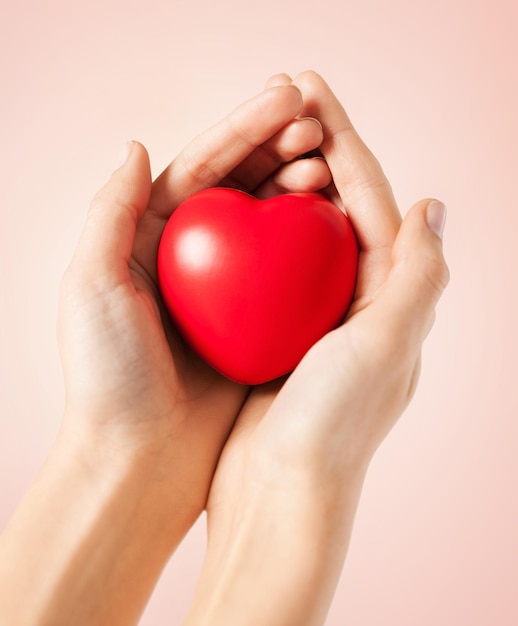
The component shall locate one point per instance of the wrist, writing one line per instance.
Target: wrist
(147, 475)
(282, 547)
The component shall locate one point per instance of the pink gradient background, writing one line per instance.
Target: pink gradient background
(432, 88)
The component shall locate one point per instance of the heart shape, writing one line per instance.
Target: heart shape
(253, 284)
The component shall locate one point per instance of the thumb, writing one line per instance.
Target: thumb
(418, 276)
(106, 242)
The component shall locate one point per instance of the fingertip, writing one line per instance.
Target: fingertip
(310, 81)
(419, 242)
(286, 99)
(418, 277)
(301, 176)
(124, 155)
(278, 80)
(436, 217)
(108, 235)
(291, 89)
(428, 216)
(306, 175)
(132, 150)
(296, 139)
(309, 74)
(315, 121)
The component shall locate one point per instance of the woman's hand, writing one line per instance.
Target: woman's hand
(145, 419)
(132, 385)
(283, 499)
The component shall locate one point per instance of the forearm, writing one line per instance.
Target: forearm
(88, 542)
(280, 560)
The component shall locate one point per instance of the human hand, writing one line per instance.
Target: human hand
(145, 419)
(134, 390)
(283, 498)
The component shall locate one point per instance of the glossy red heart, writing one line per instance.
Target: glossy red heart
(253, 284)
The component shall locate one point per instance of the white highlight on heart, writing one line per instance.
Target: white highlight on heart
(197, 248)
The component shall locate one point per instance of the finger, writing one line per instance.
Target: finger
(358, 177)
(106, 242)
(277, 80)
(209, 160)
(215, 153)
(404, 310)
(303, 176)
(296, 138)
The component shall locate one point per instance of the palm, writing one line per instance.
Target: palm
(209, 401)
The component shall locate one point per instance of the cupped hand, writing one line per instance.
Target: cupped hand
(283, 498)
(134, 390)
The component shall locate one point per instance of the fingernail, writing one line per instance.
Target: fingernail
(436, 217)
(124, 154)
(313, 119)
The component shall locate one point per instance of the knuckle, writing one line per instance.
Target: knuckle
(434, 270)
(118, 208)
(440, 272)
(102, 197)
(243, 133)
(200, 171)
(367, 176)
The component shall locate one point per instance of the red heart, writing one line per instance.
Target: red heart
(253, 284)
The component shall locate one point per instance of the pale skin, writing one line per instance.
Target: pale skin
(152, 436)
